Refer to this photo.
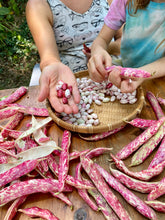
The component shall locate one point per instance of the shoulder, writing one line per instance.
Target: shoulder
(35, 4)
(39, 8)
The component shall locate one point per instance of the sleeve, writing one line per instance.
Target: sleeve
(116, 15)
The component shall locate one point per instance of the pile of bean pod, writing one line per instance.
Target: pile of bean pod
(98, 93)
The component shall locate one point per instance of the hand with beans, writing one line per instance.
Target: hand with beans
(125, 84)
(51, 75)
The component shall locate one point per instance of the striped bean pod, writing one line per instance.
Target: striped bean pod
(159, 156)
(135, 73)
(141, 123)
(100, 136)
(13, 97)
(108, 213)
(16, 172)
(132, 183)
(64, 159)
(155, 105)
(161, 100)
(157, 205)
(83, 192)
(27, 187)
(147, 148)
(130, 197)
(158, 191)
(141, 175)
(30, 110)
(14, 121)
(7, 112)
(38, 212)
(70, 180)
(139, 140)
(12, 211)
(103, 188)
(131, 72)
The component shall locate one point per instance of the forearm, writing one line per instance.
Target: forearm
(39, 21)
(103, 39)
(114, 46)
(157, 68)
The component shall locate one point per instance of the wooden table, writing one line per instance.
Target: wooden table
(116, 141)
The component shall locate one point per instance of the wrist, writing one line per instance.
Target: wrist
(47, 62)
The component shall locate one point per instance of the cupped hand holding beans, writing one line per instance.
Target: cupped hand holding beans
(50, 76)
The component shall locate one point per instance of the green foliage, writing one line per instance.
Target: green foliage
(17, 48)
(15, 38)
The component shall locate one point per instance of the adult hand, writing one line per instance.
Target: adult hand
(97, 63)
(50, 76)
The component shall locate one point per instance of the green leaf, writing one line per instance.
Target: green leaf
(4, 11)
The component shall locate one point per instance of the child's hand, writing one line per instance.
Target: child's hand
(126, 85)
(97, 63)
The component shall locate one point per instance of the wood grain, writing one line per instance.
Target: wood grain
(117, 141)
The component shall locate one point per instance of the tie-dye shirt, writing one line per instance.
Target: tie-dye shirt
(143, 39)
(72, 29)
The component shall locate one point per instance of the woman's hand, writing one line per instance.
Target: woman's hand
(50, 76)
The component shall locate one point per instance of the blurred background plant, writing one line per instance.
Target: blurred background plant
(18, 53)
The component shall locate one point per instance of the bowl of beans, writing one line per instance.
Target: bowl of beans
(102, 107)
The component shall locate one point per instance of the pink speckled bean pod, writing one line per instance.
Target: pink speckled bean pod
(155, 105)
(12, 211)
(3, 158)
(8, 144)
(103, 188)
(63, 198)
(98, 151)
(44, 165)
(83, 192)
(14, 134)
(64, 159)
(85, 184)
(59, 195)
(141, 123)
(7, 152)
(53, 165)
(159, 156)
(158, 191)
(161, 100)
(16, 172)
(135, 73)
(139, 140)
(147, 148)
(31, 110)
(157, 205)
(38, 212)
(141, 175)
(70, 180)
(76, 154)
(7, 112)
(131, 183)
(13, 97)
(14, 121)
(130, 197)
(100, 136)
(27, 187)
(108, 213)
(131, 72)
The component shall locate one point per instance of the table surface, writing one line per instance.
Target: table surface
(116, 141)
